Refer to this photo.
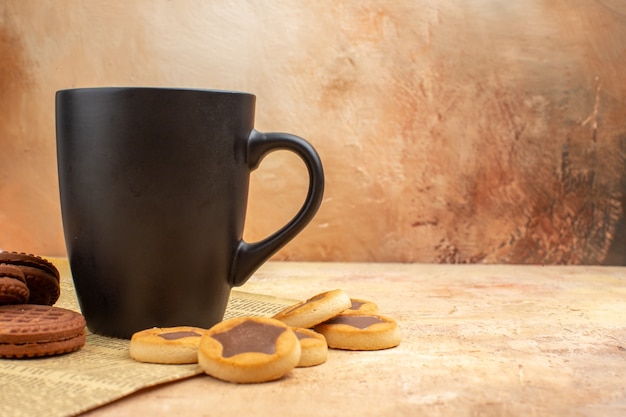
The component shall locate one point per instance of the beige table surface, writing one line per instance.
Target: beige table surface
(478, 340)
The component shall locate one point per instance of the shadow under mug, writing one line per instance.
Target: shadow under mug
(154, 188)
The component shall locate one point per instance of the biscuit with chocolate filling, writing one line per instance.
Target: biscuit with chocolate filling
(168, 345)
(361, 307)
(13, 289)
(32, 330)
(360, 332)
(315, 310)
(248, 350)
(314, 350)
(42, 277)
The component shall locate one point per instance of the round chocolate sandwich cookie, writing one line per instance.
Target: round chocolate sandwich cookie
(248, 350)
(313, 347)
(168, 345)
(13, 289)
(360, 332)
(361, 306)
(42, 277)
(315, 310)
(31, 330)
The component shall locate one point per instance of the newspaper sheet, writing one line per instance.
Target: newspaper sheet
(102, 371)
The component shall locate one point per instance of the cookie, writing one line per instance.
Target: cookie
(361, 306)
(248, 350)
(315, 310)
(360, 332)
(172, 345)
(32, 330)
(13, 288)
(42, 277)
(313, 347)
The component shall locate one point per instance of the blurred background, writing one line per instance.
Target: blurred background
(450, 131)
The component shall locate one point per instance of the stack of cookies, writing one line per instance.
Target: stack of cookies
(346, 323)
(259, 349)
(30, 326)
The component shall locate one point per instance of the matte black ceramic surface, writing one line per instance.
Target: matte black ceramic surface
(154, 186)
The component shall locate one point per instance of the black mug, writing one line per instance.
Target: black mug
(154, 187)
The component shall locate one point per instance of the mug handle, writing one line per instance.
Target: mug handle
(249, 256)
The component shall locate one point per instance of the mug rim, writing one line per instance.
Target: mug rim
(153, 88)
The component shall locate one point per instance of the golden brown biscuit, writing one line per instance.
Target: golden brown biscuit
(360, 332)
(315, 310)
(169, 345)
(248, 350)
(361, 307)
(313, 347)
